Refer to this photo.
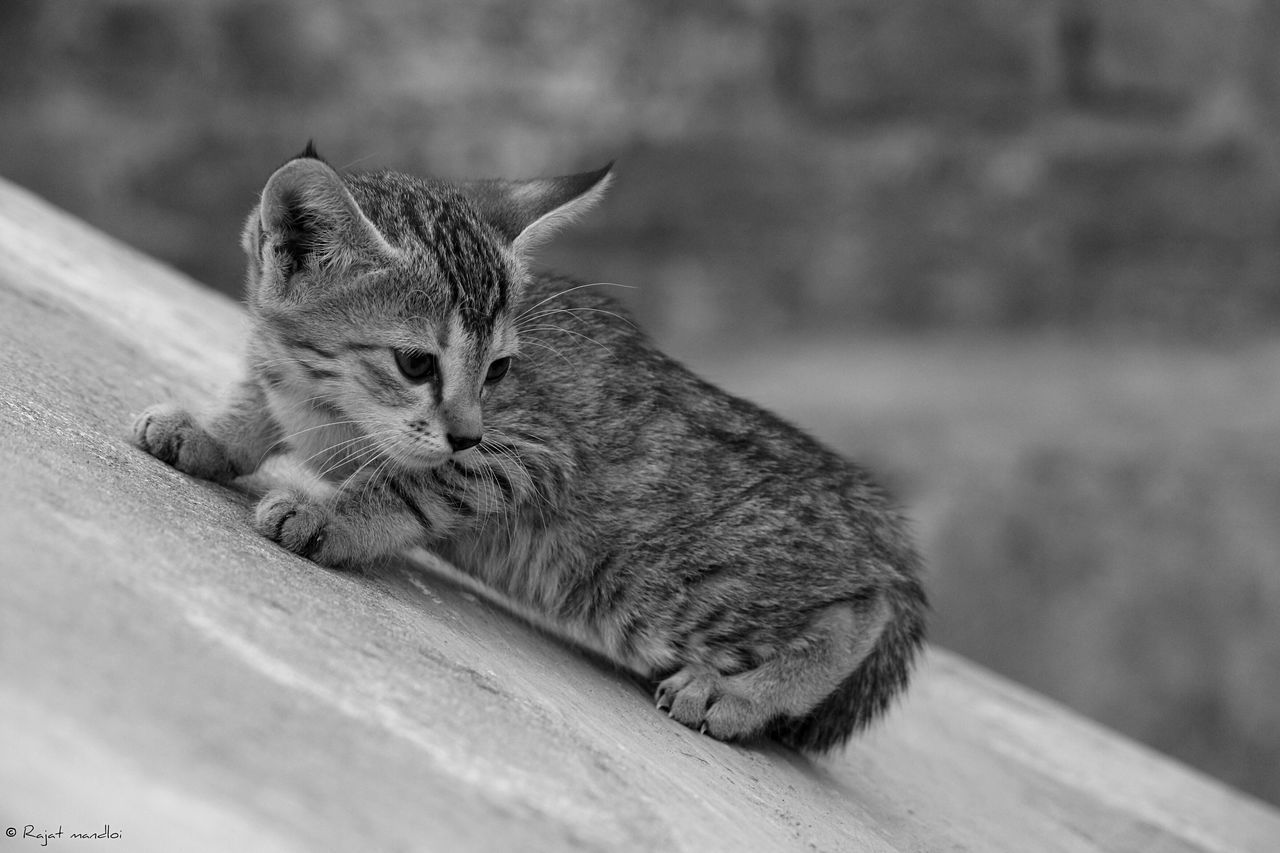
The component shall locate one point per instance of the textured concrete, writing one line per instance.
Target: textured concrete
(167, 673)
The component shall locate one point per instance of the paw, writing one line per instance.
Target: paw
(292, 519)
(704, 700)
(172, 435)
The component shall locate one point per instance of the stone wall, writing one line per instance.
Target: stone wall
(900, 163)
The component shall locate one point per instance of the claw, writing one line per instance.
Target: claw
(703, 728)
(280, 524)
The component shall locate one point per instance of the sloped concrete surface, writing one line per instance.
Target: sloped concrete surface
(171, 679)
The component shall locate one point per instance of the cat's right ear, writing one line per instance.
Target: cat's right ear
(307, 222)
(528, 213)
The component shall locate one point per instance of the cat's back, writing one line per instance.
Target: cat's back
(653, 435)
(704, 527)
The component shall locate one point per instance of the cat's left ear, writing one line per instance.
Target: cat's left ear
(530, 212)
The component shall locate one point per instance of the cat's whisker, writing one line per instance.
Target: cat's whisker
(358, 161)
(359, 453)
(498, 507)
(281, 361)
(538, 499)
(297, 433)
(565, 331)
(519, 317)
(332, 453)
(314, 398)
(273, 361)
(279, 441)
(550, 349)
(573, 312)
(385, 469)
(364, 485)
(479, 477)
(393, 455)
(363, 453)
(507, 511)
(333, 448)
(491, 450)
(374, 441)
(511, 452)
(379, 447)
(354, 491)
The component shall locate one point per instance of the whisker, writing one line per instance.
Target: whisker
(379, 448)
(550, 349)
(357, 161)
(574, 312)
(384, 470)
(359, 453)
(511, 451)
(563, 330)
(571, 290)
(334, 464)
(511, 510)
(333, 447)
(273, 445)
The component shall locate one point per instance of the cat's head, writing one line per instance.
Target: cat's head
(390, 300)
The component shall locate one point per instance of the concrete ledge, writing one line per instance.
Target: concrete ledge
(166, 672)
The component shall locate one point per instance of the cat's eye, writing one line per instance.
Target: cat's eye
(497, 369)
(416, 366)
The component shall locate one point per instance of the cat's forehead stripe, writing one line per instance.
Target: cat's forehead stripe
(470, 264)
(416, 215)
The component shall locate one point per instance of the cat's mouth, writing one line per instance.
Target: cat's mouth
(423, 458)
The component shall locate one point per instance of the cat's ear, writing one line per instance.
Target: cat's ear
(309, 221)
(528, 213)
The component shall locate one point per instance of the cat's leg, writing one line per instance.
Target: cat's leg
(789, 684)
(376, 516)
(231, 442)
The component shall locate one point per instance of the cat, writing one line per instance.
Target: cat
(523, 428)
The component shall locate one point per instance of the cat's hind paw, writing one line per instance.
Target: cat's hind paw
(290, 518)
(173, 436)
(703, 699)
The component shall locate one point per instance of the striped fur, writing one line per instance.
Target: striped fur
(766, 585)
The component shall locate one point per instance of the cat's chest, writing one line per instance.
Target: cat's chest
(319, 439)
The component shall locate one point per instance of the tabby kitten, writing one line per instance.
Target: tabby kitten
(521, 427)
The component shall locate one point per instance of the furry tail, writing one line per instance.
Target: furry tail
(870, 690)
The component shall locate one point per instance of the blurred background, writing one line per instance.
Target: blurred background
(1022, 257)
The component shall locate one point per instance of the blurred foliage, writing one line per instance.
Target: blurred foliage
(789, 167)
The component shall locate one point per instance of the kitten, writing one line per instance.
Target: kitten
(521, 427)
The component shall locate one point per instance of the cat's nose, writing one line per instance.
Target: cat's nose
(460, 443)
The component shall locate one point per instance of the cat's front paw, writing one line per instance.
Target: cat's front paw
(173, 436)
(291, 518)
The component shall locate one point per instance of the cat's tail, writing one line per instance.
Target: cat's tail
(871, 689)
